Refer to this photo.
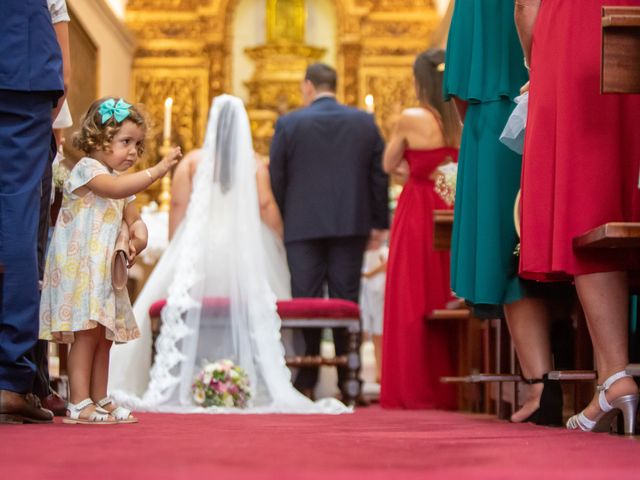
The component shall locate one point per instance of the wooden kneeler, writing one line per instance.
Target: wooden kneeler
(327, 313)
(468, 363)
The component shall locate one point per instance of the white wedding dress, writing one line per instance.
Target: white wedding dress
(221, 250)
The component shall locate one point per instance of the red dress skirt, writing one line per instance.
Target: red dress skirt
(582, 149)
(415, 355)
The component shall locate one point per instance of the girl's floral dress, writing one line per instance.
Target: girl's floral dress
(77, 293)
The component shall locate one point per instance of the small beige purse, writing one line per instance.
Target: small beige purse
(120, 260)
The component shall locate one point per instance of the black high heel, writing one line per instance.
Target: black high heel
(549, 412)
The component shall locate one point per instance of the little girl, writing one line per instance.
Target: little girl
(374, 275)
(79, 304)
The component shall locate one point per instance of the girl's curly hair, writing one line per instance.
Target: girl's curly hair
(95, 135)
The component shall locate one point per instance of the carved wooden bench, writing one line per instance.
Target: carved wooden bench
(443, 227)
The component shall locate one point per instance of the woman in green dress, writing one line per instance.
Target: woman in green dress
(484, 73)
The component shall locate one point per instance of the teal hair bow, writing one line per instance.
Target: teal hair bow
(109, 108)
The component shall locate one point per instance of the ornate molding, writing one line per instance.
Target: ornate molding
(184, 47)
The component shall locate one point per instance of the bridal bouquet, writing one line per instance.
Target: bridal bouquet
(446, 182)
(221, 384)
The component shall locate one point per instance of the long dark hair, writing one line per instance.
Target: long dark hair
(428, 70)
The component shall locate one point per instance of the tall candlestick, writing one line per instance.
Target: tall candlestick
(166, 133)
(369, 103)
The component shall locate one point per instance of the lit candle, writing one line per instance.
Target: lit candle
(166, 133)
(369, 103)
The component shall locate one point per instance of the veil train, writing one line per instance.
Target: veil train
(218, 252)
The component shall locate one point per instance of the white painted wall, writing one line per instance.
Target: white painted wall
(322, 28)
(114, 42)
(249, 30)
(441, 5)
(118, 7)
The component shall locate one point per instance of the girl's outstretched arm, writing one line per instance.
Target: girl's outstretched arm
(124, 186)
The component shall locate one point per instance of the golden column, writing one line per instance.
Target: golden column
(274, 88)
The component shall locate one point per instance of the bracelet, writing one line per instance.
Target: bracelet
(149, 173)
(526, 64)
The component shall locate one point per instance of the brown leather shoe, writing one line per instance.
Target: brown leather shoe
(18, 408)
(56, 404)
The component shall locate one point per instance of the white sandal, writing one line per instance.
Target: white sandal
(121, 414)
(625, 404)
(97, 417)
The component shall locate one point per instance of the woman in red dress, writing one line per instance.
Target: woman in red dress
(580, 170)
(415, 355)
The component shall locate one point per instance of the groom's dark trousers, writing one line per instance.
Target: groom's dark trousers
(25, 132)
(30, 84)
(336, 262)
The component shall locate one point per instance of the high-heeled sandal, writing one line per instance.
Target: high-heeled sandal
(625, 404)
(121, 414)
(549, 413)
(97, 417)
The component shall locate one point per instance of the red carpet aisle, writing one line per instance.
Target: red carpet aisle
(371, 444)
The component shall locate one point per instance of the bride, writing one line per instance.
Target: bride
(218, 250)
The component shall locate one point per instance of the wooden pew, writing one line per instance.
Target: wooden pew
(610, 235)
(443, 226)
(620, 71)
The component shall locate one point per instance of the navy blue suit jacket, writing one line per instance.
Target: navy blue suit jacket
(326, 172)
(30, 58)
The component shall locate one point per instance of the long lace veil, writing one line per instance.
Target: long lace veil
(219, 302)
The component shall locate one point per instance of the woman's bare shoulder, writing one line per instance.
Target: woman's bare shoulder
(190, 162)
(194, 156)
(418, 114)
(416, 118)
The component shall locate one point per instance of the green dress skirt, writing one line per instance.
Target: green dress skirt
(484, 66)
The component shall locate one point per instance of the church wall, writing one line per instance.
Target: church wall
(249, 31)
(115, 45)
(322, 28)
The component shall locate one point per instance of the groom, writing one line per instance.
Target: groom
(327, 178)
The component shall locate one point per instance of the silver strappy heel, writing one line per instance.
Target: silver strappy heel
(626, 404)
